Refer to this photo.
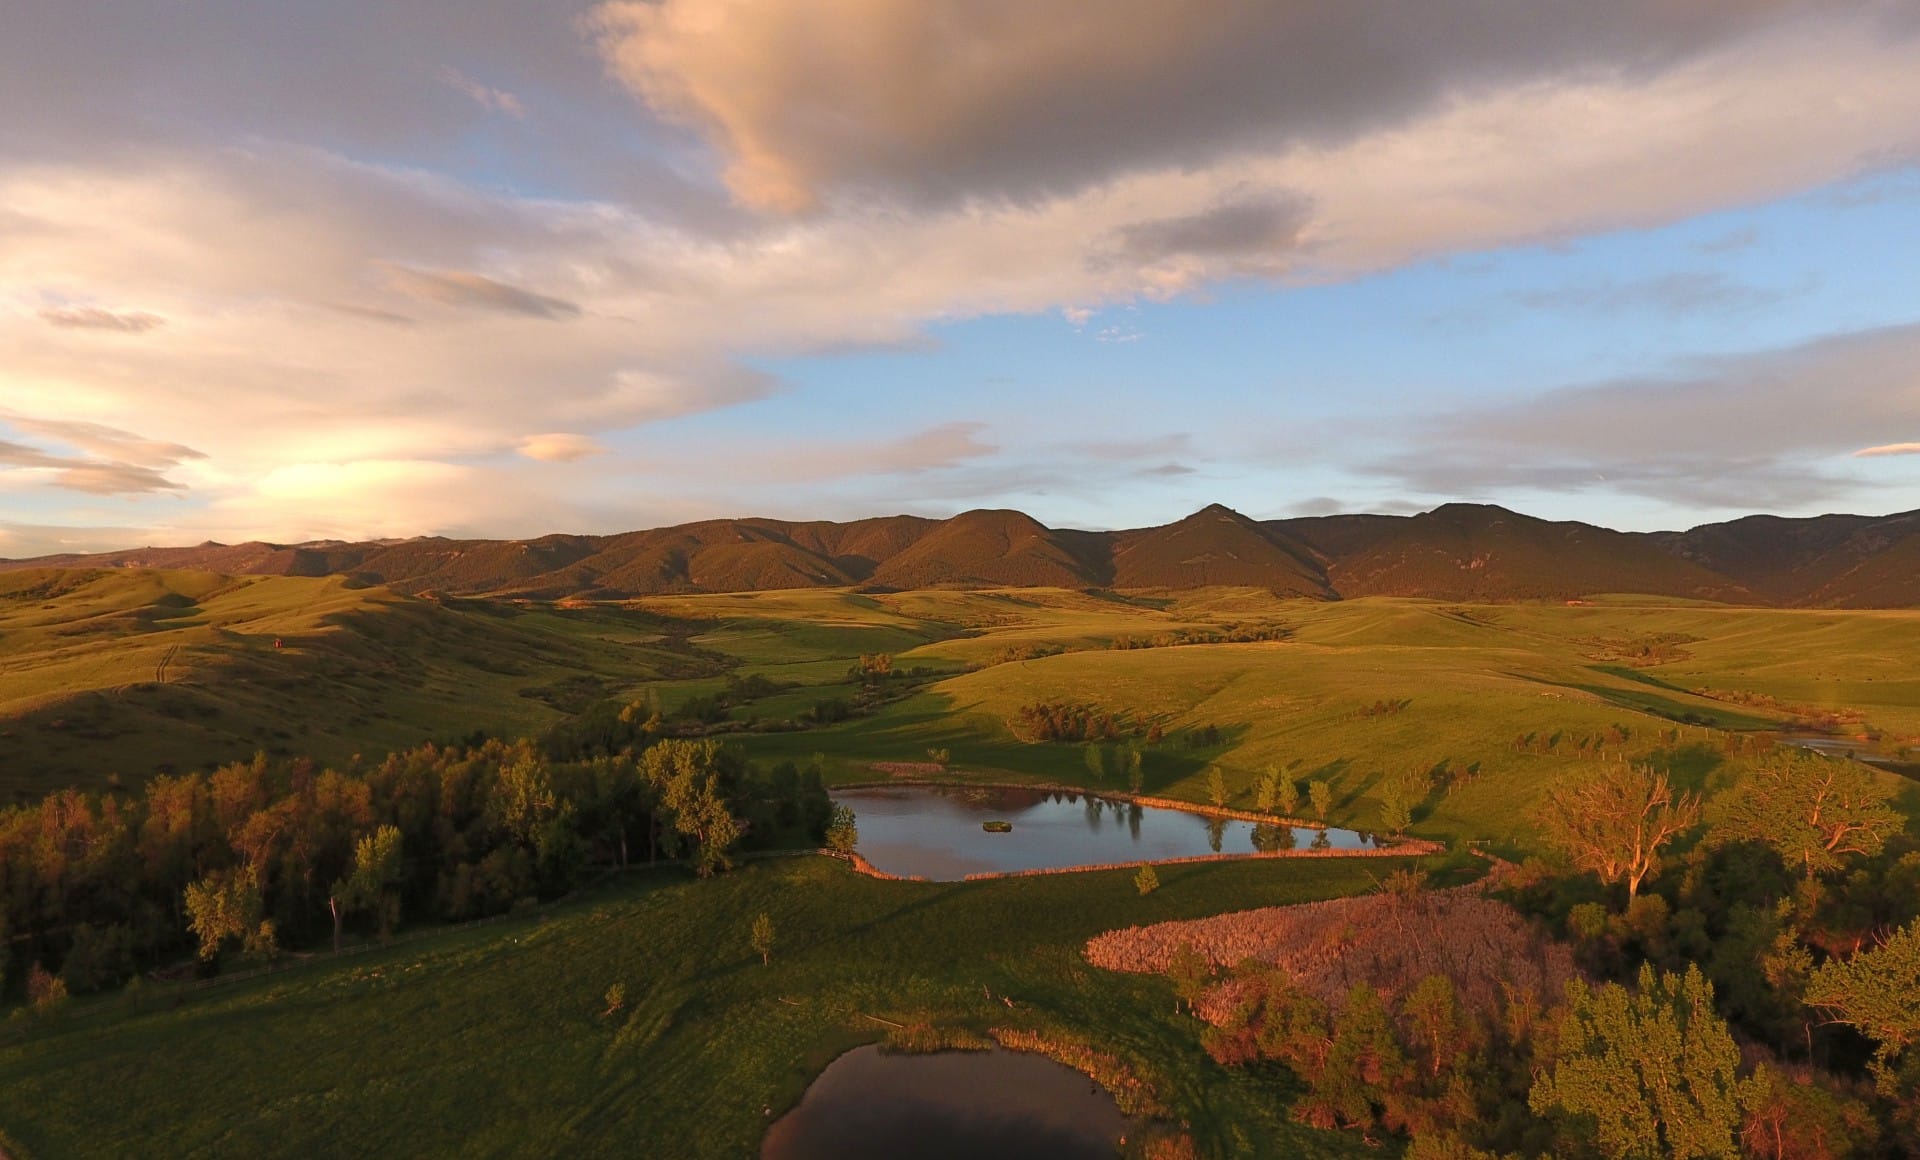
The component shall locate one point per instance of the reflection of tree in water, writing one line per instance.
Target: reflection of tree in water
(1272, 839)
(1134, 814)
(1321, 841)
(1093, 810)
(1216, 830)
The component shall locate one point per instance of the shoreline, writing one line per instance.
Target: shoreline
(1393, 847)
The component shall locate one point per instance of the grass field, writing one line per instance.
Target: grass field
(1475, 678)
(126, 673)
(491, 1041)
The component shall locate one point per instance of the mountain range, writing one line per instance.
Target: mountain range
(1454, 552)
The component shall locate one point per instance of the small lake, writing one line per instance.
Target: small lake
(948, 1105)
(934, 831)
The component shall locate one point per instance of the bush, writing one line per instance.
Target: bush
(1146, 881)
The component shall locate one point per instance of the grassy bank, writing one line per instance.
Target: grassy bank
(493, 1041)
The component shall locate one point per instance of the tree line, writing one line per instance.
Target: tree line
(256, 857)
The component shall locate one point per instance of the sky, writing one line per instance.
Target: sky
(306, 269)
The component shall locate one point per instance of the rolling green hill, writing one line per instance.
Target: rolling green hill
(131, 672)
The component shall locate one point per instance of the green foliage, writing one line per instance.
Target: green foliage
(1146, 881)
(1645, 1074)
(1814, 810)
(762, 937)
(1094, 758)
(1400, 794)
(374, 883)
(46, 993)
(694, 778)
(1286, 797)
(1267, 789)
(1320, 794)
(1615, 822)
(225, 907)
(1190, 974)
(1878, 992)
(843, 832)
(1217, 786)
(616, 998)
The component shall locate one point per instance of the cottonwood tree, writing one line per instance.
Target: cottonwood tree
(1652, 1073)
(694, 779)
(1878, 992)
(1399, 795)
(226, 906)
(843, 834)
(1616, 822)
(1320, 794)
(373, 885)
(763, 937)
(1813, 810)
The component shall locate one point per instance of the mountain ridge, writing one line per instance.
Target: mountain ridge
(1456, 551)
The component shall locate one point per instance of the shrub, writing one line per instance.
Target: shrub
(1146, 881)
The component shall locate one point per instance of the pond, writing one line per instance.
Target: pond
(947, 1105)
(935, 831)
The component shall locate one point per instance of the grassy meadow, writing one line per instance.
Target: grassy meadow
(495, 1039)
(1474, 679)
(125, 673)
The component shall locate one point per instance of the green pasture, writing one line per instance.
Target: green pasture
(495, 1041)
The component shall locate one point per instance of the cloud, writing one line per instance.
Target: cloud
(106, 442)
(1731, 433)
(94, 318)
(1887, 449)
(1682, 292)
(97, 477)
(461, 288)
(560, 447)
(951, 99)
(1246, 230)
(495, 100)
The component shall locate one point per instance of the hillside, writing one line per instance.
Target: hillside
(1218, 547)
(1474, 552)
(1455, 552)
(131, 672)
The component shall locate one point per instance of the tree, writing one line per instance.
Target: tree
(1648, 1074)
(46, 993)
(1877, 992)
(616, 999)
(1146, 881)
(1136, 775)
(1286, 796)
(1320, 793)
(1096, 762)
(1190, 974)
(1398, 797)
(1267, 790)
(227, 906)
(373, 884)
(763, 937)
(1616, 822)
(694, 779)
(1217, 787)
(842, 832)
(1813, 810)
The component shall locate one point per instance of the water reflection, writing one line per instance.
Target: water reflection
(934, 831)
(870, 1104)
